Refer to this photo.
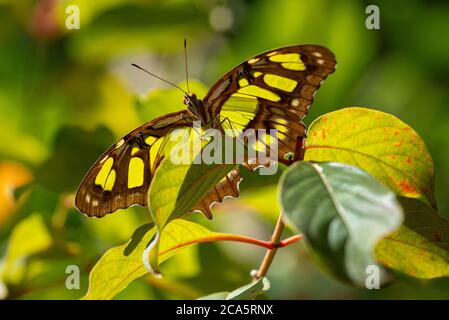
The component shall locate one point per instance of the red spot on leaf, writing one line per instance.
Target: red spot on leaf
(323, 133)
(407, 187)
(409, 160)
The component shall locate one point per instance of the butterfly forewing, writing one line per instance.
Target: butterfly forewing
(272, 91)
(122, 175)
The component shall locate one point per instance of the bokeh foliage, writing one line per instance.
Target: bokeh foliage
(66, 95)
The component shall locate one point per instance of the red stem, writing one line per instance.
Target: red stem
(289, 241)
(243, 239)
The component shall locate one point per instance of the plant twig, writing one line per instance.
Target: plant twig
(279, 228)
(289, 241)
(239, 238)
(275, 240)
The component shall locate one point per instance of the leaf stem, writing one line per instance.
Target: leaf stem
(289, 241)
(237, 238)
(276, 241)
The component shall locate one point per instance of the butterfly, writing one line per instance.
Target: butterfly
(272, 90)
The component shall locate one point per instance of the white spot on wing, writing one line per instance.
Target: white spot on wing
(253, 60)
(294, 102)
(120, 143)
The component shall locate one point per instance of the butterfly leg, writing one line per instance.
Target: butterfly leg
(198, 133)
(240, 140)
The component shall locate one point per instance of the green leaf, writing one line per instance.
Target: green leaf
(184, 264)
(29, 237)
(343, 212)
(250, 291)
(247, 292)
(420, 248)
(120, 265)
(377, 142)
(176, 189)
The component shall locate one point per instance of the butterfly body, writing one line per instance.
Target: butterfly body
(272, 90)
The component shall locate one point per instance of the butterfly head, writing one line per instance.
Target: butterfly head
(193, 104)
(189, 99)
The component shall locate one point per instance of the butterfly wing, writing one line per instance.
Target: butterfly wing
(272, 90)
(122, 175)
(227, 187)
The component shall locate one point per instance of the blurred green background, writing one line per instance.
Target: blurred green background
(67, 95)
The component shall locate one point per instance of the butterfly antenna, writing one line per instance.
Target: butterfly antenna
(152, 74)
(185, 62)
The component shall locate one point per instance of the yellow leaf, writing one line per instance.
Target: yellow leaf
(378, 143)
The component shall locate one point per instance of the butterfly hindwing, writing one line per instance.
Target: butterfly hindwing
(227, 187)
